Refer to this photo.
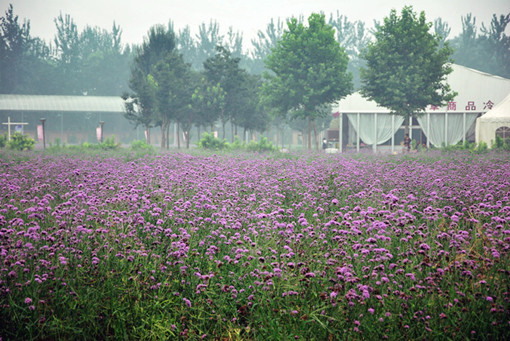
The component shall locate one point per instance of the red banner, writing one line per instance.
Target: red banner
(40, 133)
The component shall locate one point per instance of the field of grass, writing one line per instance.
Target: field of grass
(255, 247)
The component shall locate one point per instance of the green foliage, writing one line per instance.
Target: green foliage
(208, 141)
(406, 69)
(309, 67)
(223, 71)
(21, 142)
(237, 144)
(141, 145)
(487, 49)
(471, 147)
(261, 146)
(501, 144)
(109, 143)
(481, 147)
(3, 141)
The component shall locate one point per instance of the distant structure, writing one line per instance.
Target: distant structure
(362, 123)
(70, 119)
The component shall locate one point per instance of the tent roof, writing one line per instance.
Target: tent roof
(61, 103)
(499, 113)
(483, 89)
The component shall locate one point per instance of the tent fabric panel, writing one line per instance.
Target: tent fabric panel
(486, 130)
(452, 122)
(368, 126)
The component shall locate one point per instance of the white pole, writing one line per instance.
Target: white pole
(175, 134)
(411, 127)
(357, 135)
(428, 130)
(340, 132)
(393, 135)
(463, 127)
(446, 128)
(374, 146)
(9, 128)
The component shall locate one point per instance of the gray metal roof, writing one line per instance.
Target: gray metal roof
(61, 103)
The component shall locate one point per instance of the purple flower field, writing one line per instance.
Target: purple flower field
(250, 247)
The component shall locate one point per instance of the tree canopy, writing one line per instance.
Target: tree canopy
(308, 68)
(406, 67)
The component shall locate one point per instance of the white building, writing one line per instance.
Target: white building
(364, 122)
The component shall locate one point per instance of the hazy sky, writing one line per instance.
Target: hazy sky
(135, 17)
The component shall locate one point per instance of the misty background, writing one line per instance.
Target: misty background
(82, 60)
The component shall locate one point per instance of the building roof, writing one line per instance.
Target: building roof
(61, 103)
(498, 114)
(477, 92)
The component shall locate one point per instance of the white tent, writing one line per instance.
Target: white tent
(495, 120)
(477, 91)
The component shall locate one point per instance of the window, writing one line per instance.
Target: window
(504, 133)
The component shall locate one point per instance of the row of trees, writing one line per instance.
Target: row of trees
(305, 66)
(93, 61)
(166, 89)
(406, 68)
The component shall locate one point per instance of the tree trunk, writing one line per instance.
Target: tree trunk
(178, 137)
(315, 136)
(168, 136)
(309, 134)
(163, 130)
(147, 134)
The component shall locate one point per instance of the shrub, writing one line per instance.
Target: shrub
(501, 144)
(140, 145)
(3, 141)
(237, 144)
(21, 142)
(481, 147)
(264, 145)
(109, 143)
(208, 141)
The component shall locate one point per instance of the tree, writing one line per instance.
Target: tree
(15, 44)
(467, 52)
(264, 43)
(67, 43)
(187, 47)
(104, 63)
(354, 38)
(406, 69)
(251, 115)
(172, 80)
(496, 46)
(208, 103)
(141, 107)
(224, 70)
(158, 44)
(442, 29)
(308, 69)
(208, 39)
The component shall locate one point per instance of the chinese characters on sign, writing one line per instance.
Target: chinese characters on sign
(471, 106)
(488, 105)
